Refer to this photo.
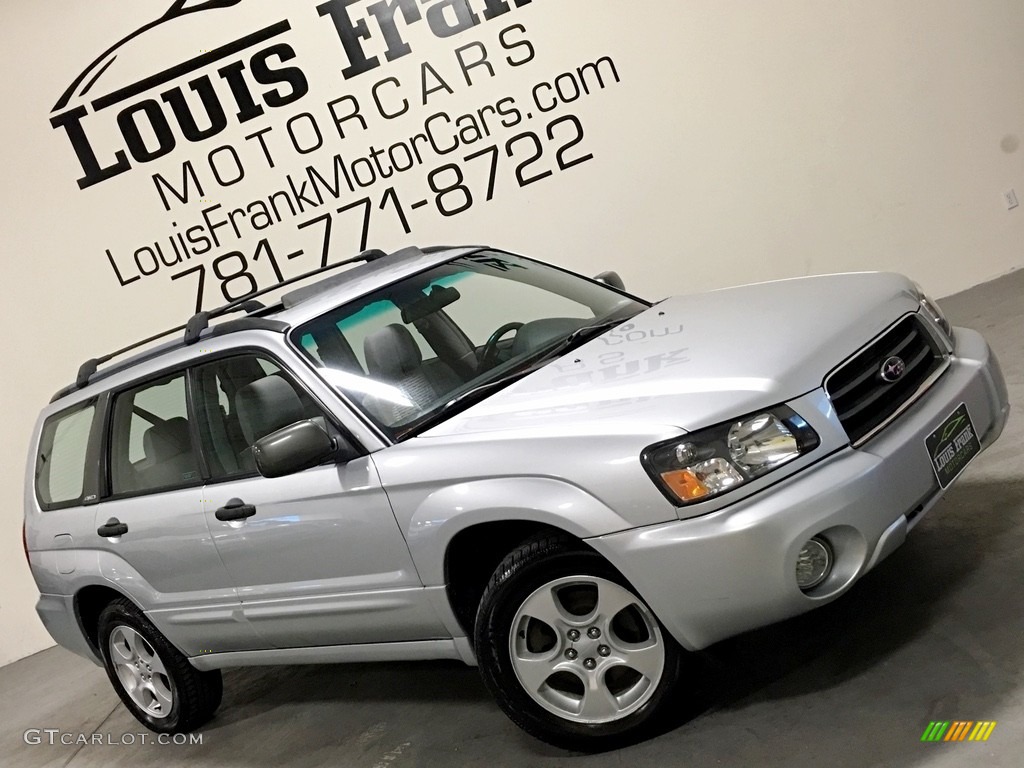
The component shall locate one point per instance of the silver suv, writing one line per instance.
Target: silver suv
(460, 453)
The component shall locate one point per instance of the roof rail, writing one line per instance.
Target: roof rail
(200, 321)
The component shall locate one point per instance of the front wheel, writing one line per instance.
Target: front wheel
(569, 650)
(155, 681)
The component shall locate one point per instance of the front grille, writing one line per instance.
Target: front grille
(863, 400)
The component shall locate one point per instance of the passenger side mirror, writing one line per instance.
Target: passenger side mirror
(292, 449)
(612, 279)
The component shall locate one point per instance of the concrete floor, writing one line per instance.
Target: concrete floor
(935, 633)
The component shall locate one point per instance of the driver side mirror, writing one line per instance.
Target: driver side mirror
(292, 449)
(612, 279)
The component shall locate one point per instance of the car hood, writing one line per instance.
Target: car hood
(693, 361)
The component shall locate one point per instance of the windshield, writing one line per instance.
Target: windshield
(418, 350)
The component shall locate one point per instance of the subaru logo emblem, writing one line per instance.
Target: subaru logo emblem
(893, 369)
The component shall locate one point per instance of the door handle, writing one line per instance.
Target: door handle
(113, 527)
(235, 509)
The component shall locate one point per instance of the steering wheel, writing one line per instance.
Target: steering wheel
(490, 354)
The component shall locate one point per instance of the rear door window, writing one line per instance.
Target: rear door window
(151, 439)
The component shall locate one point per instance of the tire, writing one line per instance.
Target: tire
(155, 681)
(569, 650)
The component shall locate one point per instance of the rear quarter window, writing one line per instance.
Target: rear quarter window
(60, 463)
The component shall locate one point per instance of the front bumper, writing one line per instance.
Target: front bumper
(715, 576)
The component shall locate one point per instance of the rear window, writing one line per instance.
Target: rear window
(60, 464)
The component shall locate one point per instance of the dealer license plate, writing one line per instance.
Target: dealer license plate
(953, 445)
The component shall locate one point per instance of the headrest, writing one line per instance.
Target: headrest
(236, 372)
(164, 441)
(391, 352)
(265, 406)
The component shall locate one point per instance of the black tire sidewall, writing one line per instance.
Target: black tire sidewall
(500, 603)
(118, 614)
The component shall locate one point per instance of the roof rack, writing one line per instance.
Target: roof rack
(320, 287)
(200, 321)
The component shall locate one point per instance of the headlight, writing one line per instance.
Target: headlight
(715, 460)
(931, 309)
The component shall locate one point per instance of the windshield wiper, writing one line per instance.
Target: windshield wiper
(464, 399)
(581, 335)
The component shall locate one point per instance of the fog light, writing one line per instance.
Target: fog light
(813, 564)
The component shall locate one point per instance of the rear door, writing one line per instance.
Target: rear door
(150, 528)
(318, 559)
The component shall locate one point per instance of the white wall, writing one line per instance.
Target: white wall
(746, 141)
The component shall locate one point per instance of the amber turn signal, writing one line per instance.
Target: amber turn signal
(685, 484)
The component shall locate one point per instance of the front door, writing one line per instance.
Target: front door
(317, 557)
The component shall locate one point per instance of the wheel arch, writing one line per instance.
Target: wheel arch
(460, 533)
(542, 501)
(90, 601)
(473, 554)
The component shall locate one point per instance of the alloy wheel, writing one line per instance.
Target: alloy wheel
(141, 671)
(587, 649)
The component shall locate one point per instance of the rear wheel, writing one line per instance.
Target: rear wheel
(155, 681)
(569, 650)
